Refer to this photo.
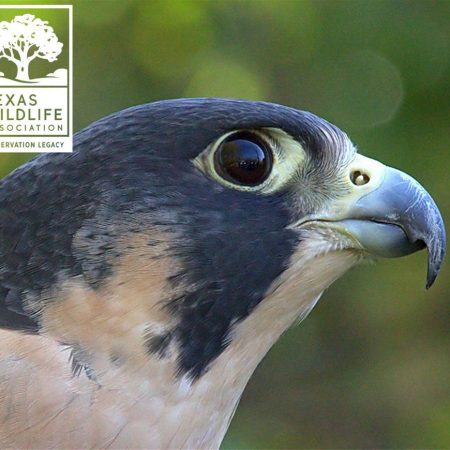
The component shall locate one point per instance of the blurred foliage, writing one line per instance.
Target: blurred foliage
(370, 367)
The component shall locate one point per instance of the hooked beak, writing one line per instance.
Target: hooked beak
(390, 215)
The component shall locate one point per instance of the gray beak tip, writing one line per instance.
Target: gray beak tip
(434, 266)
(435, 242)
(431, 277)
(421, 219)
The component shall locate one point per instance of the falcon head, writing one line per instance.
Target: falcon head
(182, 238)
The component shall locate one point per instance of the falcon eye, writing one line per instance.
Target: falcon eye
(243, 158)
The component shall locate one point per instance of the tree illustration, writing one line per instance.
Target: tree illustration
(26, 38)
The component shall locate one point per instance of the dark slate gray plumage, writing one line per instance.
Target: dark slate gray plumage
(61, 215)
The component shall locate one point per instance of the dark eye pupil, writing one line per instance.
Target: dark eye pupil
(243, 158)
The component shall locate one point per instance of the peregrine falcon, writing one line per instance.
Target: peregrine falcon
(144, 276)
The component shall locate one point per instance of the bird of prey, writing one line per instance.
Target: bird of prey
(144, 276)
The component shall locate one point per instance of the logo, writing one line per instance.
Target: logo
(36, 78)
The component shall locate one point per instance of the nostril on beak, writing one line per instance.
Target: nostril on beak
(359, 178)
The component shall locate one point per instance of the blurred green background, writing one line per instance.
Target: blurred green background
(370, 368)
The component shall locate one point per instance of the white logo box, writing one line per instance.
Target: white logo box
(35, 112)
